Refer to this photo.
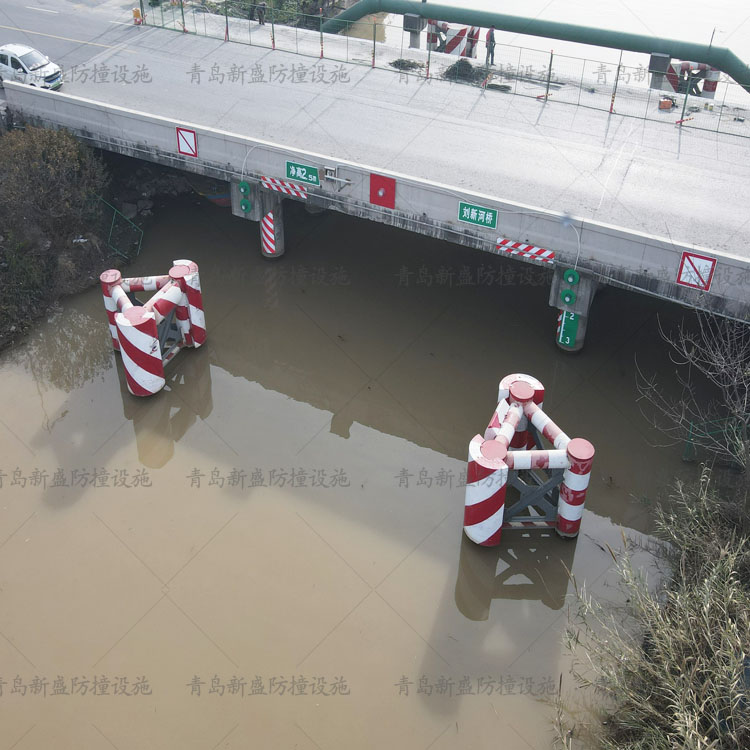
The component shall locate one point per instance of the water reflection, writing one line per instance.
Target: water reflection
(528, 565)
(67, 350)
(163, 419)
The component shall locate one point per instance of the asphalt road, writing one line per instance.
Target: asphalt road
(687, 185)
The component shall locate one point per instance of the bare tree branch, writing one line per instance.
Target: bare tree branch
(712, 410)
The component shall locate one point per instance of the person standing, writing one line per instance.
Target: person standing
(262, 13)
(490, 39)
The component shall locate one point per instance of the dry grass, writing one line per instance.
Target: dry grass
(676, 668)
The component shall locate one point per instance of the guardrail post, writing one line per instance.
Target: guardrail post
(685, 101)
(320, 10)
(614, 88)
(549, 75)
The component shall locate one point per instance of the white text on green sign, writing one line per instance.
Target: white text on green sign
(479, 215)
(568, 329)
(303, 173)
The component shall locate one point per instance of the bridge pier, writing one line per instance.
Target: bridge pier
(251, 201)
(271, 224)
(572, 293)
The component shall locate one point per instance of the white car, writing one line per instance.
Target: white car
(27, 65)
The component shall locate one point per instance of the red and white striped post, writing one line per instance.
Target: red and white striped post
(111, 279)
(185, 273)
(487, 477)
(486, 481)
(580, 454)
(522, 438)
(141, 354)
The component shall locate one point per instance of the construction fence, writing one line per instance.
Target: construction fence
(381, 42)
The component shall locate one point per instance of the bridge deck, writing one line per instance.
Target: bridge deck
(686, 185)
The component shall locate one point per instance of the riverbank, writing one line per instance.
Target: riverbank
(40, 266)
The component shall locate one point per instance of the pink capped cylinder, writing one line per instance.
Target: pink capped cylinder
(486, 482)
(522, 438)
(573, 488)
(141, 353)
(186, 273)
(108, 280)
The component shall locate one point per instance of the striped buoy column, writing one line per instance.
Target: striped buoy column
(486, 482)
(487, 476)
(185, 273)
(141, 353)
(710, 83)
(433, 33)
(522, 438)
(573, 488)
(109, 280)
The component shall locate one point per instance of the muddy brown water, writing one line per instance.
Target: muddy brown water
(269, 553)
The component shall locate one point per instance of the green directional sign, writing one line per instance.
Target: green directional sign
(478, 215)
(568, 329)
(302, 173)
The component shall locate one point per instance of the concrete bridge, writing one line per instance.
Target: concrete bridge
(600, 199)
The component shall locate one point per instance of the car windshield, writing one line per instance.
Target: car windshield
(33, 60)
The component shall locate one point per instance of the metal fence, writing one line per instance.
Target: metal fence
(124, 237)
(619, 88)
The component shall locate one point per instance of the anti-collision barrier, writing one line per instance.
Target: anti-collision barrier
(149, 335)
(511, 453)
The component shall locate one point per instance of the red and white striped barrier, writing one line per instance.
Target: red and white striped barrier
(525, 251)
(282, 186)
(461, 40)
(185, 272)
(141, 354)
(580, 454)
(486, 480)
(508, 447)
(135, 327)
(679, 72)
(268, 238)
(434, 28)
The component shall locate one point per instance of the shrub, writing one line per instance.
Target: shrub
(49, 184)
(677, 673)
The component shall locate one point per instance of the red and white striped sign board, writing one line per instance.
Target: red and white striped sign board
(187, 142)
(525, 251)
(282, 186)
(696, 271)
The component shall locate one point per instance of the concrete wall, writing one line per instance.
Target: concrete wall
(616, 255)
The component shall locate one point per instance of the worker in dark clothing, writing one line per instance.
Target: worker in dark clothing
(262, 14)
(490, 46)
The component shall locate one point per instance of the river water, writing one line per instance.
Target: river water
(269, 553)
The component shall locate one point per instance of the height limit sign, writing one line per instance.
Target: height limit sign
(696, 271)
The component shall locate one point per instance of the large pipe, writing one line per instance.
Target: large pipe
(718, 57)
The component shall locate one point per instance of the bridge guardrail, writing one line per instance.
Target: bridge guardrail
(521, 71)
